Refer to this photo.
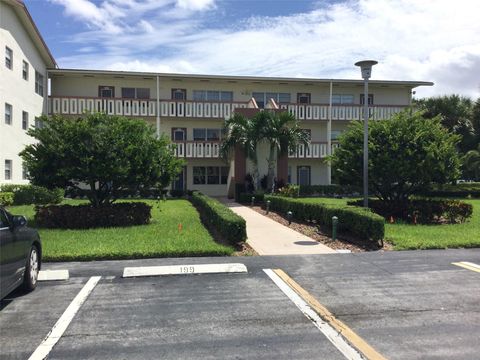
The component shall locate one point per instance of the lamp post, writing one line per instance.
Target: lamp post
(366, 67)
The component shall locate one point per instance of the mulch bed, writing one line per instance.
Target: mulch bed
(312, 230)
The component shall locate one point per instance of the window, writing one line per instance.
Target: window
(25, 70)
(8, 58)
(210, 175)
(199, 175)
(24, 120)
(342, 99)
(201, 134)
(263, 98)
(212, 95)
(106, 91)
(303, 98)
(38, 123)
(24, 172)
(213, 175)
(38, 83)
(179, 94)
(370, 99)
(8, 114)
(8, 169)
(289, 175)
(135, 93)
(335, 134)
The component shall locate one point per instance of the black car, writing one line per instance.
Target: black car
(20, 254)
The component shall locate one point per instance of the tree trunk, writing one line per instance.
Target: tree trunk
(271, 167)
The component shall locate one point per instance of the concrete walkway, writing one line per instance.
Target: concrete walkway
(268, 237)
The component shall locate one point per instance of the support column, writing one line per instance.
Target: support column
(329, 135)
(158, 107)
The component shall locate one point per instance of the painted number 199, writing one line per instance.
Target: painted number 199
(187, 269)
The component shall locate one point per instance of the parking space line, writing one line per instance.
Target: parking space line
(351, 345)
(53, 275)
(61, 325)
(183, 269)
(468, 265)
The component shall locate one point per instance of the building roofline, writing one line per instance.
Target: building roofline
(22, 11)
(234, 77)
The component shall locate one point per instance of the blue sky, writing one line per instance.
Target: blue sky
(431, 40)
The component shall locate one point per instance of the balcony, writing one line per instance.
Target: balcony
(207, 109)
(143, 108)
(197, 149)
(314, 150)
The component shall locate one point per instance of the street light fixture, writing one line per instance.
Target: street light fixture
(366, 67)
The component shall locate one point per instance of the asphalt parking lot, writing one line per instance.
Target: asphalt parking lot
(405, 305)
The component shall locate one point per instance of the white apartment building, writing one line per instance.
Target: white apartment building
(23, 85)
(191, 110)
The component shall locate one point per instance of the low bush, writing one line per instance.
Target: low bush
(289, 190)
(86, 216)
(422, 211)
(6, 198)
(245, 198)
(31, 194)
(219, 217)
(239, 190)
(360, 222)
(319, 190)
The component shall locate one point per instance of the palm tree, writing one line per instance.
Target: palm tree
(471, 162)
(282, 132)
(245, 132)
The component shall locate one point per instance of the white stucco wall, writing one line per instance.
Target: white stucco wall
(16, 91)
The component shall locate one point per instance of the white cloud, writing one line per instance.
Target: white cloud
(432, 40)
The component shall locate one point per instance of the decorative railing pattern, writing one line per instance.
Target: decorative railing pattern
(314, 150)
(148, 107)
(340, 112)
(197, 149)
(207, 109)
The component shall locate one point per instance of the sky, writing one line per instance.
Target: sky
(424, 40)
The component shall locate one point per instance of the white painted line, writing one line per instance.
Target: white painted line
(61, 325)
(183, 269)
(468, 265)
(344, 251)
(476, 266)
(331, 334)
(50, 275)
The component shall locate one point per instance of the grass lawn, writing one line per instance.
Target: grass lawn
(406, 236)
(161, 238)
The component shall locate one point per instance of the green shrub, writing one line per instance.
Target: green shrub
(289, 191)
(245, 198)
(462, 190)
(86, 216)
(422, 211)
(320, 190)
(219, 217)
(357, 221)
(31, 194)
(6, 198)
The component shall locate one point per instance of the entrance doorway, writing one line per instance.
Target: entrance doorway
(181, 182)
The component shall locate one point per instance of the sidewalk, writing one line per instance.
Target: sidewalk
(268, 237)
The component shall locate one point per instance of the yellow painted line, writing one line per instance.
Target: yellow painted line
(468, 265)
(355, 340)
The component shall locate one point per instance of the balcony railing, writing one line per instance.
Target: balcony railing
(314, 150)
(197, 149)
(147, 107)
(340, 112)
(206, 109)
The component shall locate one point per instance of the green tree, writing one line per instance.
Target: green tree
(456, 115)
(406, 154)
(471, 162)
(282, 132)
(245, 132)
(105, 153)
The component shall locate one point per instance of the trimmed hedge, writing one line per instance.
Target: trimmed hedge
(86, 216)
(32, 194)
(462, 190)
(357, 221)
(219, 217)
(245, 198)
(6, 198)
(422, 211)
